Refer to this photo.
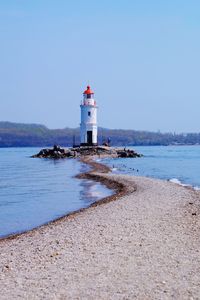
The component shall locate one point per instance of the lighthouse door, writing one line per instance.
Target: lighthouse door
(89, 137)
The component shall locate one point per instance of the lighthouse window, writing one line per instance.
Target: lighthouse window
(89, 113)
(89, 96)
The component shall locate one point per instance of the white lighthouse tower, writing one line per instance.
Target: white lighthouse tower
(88, 119)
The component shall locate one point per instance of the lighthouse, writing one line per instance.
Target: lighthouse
(88, 124)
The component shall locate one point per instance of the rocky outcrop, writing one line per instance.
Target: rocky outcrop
(57, 152)
(127, 153)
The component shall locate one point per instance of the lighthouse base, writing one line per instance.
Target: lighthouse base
(88, 144)
(89, 136)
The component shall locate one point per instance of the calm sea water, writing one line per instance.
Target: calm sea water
(36, 191)
(179, 163)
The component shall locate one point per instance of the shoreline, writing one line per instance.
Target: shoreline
(96, 174)
(145, 245)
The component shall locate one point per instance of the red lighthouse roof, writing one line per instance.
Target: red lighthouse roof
(88, 91)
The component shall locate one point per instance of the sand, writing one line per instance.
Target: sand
(143, 245)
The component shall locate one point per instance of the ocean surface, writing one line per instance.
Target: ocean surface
(180, 164)
(35, 191)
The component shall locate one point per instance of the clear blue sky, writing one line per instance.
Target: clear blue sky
(141, 57)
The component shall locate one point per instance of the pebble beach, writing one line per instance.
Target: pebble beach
(141, 244)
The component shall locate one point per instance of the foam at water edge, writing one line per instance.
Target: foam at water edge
(196, 188)
(114, 169)
(177, 181)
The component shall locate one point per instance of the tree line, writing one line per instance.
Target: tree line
(33, 135)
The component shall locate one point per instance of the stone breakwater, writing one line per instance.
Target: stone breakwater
(58, 152)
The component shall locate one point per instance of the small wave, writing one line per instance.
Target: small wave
(114, 169)
(177, 181)
(196, 188)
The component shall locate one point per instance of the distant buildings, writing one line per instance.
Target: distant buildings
(88, 124)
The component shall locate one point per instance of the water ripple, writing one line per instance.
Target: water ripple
(35, 191)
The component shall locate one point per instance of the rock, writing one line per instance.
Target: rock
(57, 152)
(70, 154)
(122, 154)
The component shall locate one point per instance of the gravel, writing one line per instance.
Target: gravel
(144, 245)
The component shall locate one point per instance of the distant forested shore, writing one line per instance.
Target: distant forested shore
(33, 135)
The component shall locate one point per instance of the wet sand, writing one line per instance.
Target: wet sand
(143, 245)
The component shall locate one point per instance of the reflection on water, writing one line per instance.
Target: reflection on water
(93, 191)
(84, 168)
(36, 191)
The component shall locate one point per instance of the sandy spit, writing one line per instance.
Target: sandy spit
(144, 245)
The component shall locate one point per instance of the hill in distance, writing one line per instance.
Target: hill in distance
(33, 135)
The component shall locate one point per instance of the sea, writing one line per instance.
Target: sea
(35, 191)
(179, 164)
